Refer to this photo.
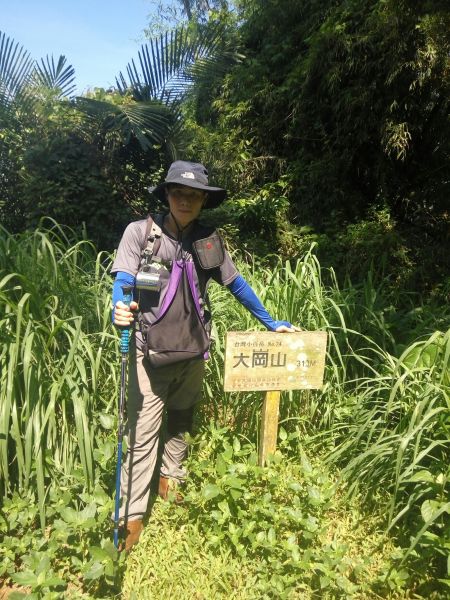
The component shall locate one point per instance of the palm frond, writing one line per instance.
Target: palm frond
(59, 76)
(165, 63)
(15, 68)
(148, 121)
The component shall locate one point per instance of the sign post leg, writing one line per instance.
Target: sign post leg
(269, 426)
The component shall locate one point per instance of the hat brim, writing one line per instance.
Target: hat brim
(216, 195)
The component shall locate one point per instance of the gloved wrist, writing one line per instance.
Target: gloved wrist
(273, 325)
(121, 279)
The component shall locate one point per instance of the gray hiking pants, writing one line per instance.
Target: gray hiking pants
(175, 388)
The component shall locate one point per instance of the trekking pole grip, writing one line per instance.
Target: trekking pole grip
(125, 334)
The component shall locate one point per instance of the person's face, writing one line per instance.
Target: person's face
(185, 203)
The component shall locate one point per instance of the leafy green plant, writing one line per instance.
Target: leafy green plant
(277, 520)
(378, 429)
(74, 553)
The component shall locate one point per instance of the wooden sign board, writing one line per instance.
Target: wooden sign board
(274, 361)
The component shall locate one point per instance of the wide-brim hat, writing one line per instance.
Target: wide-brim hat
(194, 175)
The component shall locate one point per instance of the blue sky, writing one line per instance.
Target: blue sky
(98, 37)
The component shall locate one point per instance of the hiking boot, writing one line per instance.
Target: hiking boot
(167, 485)
(133, 532)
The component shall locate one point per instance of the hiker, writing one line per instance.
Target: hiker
(169, 260)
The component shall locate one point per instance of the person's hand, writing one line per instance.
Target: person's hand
(286, 329)
(123, 315)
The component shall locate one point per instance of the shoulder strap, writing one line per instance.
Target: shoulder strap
(152, 239)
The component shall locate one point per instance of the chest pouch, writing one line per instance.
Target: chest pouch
(210, 251)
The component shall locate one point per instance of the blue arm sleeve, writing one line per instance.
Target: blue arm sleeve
(247, 297)
(121, 279)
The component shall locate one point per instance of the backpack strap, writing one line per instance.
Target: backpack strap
(152, 239)
(151, 244)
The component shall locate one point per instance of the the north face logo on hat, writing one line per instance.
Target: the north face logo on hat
(188, 175)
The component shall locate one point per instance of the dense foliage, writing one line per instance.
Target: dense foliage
(339, 111)
(328, 123)
(350, 99)
(374, 441)
(88, 161)
(317, 116)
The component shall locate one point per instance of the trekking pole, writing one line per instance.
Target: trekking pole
(124, 346)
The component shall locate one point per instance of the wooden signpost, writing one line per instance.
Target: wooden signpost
(272, 362)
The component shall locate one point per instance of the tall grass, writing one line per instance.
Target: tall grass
(57, 361)
(381, 419)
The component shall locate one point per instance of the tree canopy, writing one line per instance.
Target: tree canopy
(315, 115)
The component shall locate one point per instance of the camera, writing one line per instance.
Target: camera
(149, 282)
